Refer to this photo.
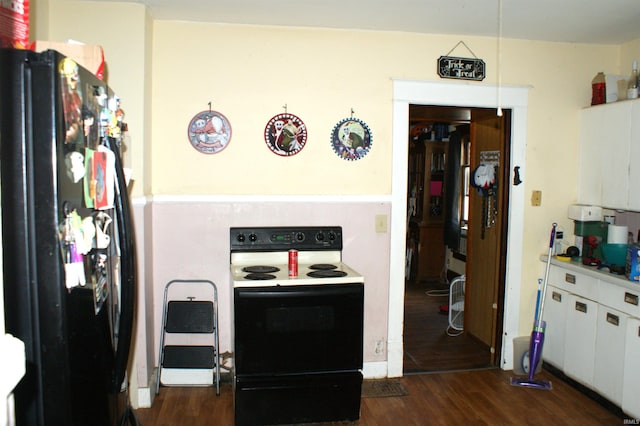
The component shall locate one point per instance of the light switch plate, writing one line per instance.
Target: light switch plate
(381, 223)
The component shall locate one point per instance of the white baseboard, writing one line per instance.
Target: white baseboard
(146, 395)
(374, 370)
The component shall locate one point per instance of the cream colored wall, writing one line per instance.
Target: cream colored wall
(629, 52)
(249, 74)
(124, 32)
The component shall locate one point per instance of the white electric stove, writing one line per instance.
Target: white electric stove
(297, 340)
(259, 256)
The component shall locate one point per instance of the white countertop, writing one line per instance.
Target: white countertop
(593, 271)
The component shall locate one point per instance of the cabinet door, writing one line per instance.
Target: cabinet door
(634, 156)
(605, 134)
(631, 380)
(580, 339)
(555, 315)
(614, 154)
(610, 337)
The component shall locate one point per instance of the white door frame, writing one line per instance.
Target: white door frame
(407, 92)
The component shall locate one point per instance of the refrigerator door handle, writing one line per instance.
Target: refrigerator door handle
(127, 271)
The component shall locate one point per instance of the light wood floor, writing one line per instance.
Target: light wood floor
(482, 397)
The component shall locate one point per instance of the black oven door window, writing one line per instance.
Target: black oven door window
(298, 329)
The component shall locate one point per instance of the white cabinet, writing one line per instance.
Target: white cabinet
(610, 345)
(631, 379)
(634, 157)
(555, 315)
(580, 339)
(609, 138)
(593, 331)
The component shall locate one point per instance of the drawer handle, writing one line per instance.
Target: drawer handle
(613, 319)
(581, 307)
(631, 298)
(570, 278)
(556, 296)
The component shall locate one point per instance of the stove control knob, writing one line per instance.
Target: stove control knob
(300, 236)
(240, 238)
(253, 238)
(332, 236)
(320, 236)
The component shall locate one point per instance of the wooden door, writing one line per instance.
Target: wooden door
(486, 258)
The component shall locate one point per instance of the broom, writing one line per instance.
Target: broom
(537, 335)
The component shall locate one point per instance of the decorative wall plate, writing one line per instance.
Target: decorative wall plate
(351, 139)
(285, 134)
(209, 132)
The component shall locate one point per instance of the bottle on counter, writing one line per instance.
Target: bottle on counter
(598, 89)
(632, 86)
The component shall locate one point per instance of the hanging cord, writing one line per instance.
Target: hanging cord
(437, 293)
(499, 60)
(452, 332)
(465, 45)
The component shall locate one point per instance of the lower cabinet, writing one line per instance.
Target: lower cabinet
(610, 346)
(593, 333)
(555, 315)
(631, 379)
(580, 339)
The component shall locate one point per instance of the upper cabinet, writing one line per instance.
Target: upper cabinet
(609, 143)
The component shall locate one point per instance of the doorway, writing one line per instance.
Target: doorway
(406, 92)
(454, 230)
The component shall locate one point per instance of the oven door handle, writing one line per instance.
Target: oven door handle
(299, 291)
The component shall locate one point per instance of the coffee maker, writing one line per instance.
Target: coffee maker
(590, 232)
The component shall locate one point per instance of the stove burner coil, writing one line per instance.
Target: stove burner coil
(330, 273)
(322, 266)
(256, 276)
(260, 269)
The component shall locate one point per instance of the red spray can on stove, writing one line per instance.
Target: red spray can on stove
(293, 263)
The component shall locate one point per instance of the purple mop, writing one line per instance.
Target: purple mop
(537, 335)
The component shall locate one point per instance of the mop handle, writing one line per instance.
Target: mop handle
(546, 276)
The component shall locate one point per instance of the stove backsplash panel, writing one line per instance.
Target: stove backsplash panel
(191, 240)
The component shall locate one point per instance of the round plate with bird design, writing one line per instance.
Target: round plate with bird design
(209, 132)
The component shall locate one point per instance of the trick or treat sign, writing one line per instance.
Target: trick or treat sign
(351, 139)
(285, 134)
(461, 68)
(209, 132)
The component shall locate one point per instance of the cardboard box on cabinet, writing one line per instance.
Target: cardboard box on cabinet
(90, 57)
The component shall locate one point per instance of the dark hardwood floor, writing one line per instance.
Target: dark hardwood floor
(427, 345)
(448, 380)
(482, 397)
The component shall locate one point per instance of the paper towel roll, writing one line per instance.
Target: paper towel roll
(617, 234)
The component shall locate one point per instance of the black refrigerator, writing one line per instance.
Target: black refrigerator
(67, 240)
